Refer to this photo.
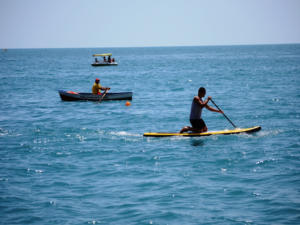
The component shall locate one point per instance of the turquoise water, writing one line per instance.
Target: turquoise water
(88, 163)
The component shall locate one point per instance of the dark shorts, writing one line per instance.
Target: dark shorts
(198, 124)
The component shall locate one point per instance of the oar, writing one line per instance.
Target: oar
(103, 95)
(223, 113)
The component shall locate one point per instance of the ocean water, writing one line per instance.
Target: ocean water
(88, 163)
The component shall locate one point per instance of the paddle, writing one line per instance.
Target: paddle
(223, 113)
(105, 92)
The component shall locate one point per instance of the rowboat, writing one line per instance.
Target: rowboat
(81, 96)
(104, 62)
(225, 132)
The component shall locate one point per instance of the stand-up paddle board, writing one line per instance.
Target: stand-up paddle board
(235, 131)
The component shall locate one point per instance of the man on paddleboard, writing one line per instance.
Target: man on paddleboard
(96, 89)
(198, 125)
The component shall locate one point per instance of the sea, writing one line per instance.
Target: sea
(85, 162)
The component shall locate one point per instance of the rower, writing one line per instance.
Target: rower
(198, 125)
(96, 89)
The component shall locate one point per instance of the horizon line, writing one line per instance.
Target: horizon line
(157, 46)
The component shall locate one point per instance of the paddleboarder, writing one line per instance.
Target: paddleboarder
(198, 125)
(96, 89)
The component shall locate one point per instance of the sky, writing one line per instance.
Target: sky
(142, 23)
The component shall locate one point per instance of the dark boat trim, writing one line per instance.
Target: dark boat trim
(104, 64)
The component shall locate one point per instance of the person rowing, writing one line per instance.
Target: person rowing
(96, 89)
(198, 125)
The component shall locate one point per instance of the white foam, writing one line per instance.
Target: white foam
(3, 132)
(124, 133)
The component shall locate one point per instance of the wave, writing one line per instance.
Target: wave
(4, 132)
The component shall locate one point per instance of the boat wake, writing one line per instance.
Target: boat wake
(264, 133)
(124, 134)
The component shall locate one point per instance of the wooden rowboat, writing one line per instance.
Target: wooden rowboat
(81, 96)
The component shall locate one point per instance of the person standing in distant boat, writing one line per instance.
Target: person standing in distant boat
(109, 59)
(96, 89)
(198, 125)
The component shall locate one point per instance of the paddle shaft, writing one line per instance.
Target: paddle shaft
(103, 96)
(223, 113)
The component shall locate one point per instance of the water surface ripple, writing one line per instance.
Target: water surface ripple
(88, 163)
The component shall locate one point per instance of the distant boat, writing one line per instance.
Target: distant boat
(106, 61)
(4, 49)
(77, 96)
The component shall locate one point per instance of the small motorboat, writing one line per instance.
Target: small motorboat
(106, 61)
(81, 96)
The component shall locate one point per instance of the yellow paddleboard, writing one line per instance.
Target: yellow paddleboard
(235, 131)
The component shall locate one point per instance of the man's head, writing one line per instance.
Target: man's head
(97, 80)
(201, 92)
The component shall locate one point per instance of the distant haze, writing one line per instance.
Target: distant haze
(134, 23)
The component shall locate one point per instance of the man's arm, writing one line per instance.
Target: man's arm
(213, 109)
(200, 102)
(105, 88)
